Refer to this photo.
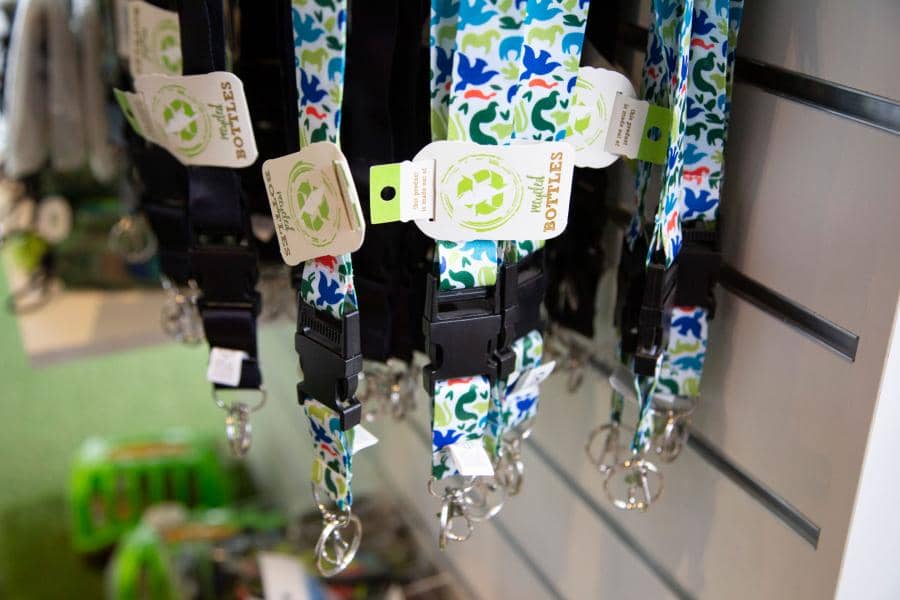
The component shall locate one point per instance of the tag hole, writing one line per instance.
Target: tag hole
(653, 134)
(388, 193)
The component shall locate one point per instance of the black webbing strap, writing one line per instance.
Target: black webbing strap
(222, 256)
(386, 86)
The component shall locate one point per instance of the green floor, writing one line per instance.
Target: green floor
(48, 412)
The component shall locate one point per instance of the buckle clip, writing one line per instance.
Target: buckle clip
(462, 330)
(331, 361)
(531, 287)
(655, 315)
(226, 273)
(699, 264)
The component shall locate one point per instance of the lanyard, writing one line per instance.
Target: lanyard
(688, 67)
(328, 339)
(500, 71)
(222, 255)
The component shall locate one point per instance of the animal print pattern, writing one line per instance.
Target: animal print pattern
(444, 21)
(459, 413)
(665, 84)
(327, 282)
(486, 67)
(715, 31)
(463, 265)
(332, 462)
(510, 409)
(320, 37)
(553, 35)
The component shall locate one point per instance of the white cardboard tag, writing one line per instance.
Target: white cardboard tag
(362, 439)
(225, 366)
(591, 114)
(471, 458)
(200, 119)
(533, 377)
(154, 40)
(314, 203)
(512, 192)
(282, 577)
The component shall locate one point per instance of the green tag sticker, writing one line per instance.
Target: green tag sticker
(384, 193)
(125, 104)
(655, 139)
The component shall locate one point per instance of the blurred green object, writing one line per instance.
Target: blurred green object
(174, 554)
(26, 250)
(114, 480)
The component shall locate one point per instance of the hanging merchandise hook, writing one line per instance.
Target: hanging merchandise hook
(238, 429)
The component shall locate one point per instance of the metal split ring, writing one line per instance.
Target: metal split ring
(238, 428)
(643, 484)
(333, 550)
(132, 239)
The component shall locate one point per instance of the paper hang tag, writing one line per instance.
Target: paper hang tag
(533, 377)
(608, 121)
(471, 459)
(283, 577)
(314, 203)
(199, 119)
(478, 192)
(154, 40)
(362, 439)
(225, 366)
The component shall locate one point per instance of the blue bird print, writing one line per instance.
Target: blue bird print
(444, 65)
(341, 19)
(697, 204)
(328, 292)
(689, 324)
(319, 433)
(692, 155)
(443, 266)
(472, 74)
(444, 9)
(475, 13)
(693, 108)
(540, 10)
(305, 29)
(524, 405)
(440, 439)
(690, 363)
(309, 86)
(536, 64)
(482, 249)
(702, 25)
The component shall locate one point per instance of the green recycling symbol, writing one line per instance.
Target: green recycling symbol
(487, 188)
(181, 119)
(316, 219)
(481, 192)
(167, 42)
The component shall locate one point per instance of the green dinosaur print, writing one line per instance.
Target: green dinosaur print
(479, 40)
(483, 117)
(309, 58)
(467, 398)
(545, 34)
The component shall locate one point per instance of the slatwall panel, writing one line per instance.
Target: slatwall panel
(810, 212)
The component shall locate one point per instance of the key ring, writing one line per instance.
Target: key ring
(672, 416)
(639, 476)
(180, 317)
(333, 552)
(610, 449)
(238, 428)
(132, 239)
(453, 509)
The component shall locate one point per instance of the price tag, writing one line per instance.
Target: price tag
(362, 439)
(225, 366)
(471, 458)
(533, 377)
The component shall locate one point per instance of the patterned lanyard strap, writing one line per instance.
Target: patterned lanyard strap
(222, 254)
(500, 71)
(328, 320)
(688, 68)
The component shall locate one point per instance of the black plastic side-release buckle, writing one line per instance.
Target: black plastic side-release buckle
(226, 274)
(630, 293)
(655, 314)
(531, 288)
(462, 329)
(699, 263)
(331, 361)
